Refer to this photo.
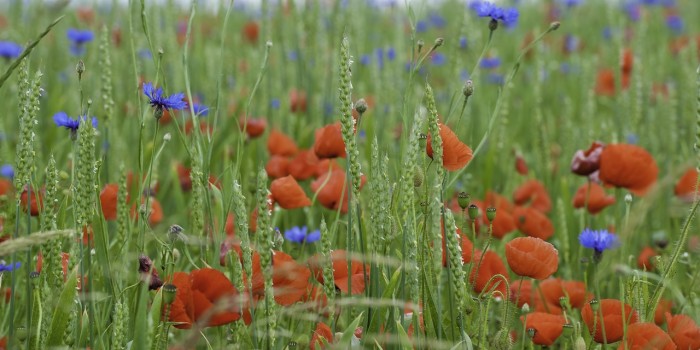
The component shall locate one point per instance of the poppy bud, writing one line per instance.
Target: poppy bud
(420, 44)
(169, 292)
(34, 277)
(502, 340)
(361, 106)
(491, 213)
(463, 200)
(21, 334)
(564, 302)
(628, 198)
(418, 177)
(525, 308)
(80, 68)
(468, 88)
(473, 212)
(554, 26)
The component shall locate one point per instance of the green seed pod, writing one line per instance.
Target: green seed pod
(531, 332)
(568, 330)
(473, 212)
(21, 334)
(169, 292)
(491, 214)
(463, 200)
(595, 305)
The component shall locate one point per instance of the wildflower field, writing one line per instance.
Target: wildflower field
(348, 174)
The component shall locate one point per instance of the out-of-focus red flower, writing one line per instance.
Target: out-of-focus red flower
(644, 260)
(277, 167)
(251, 31)
(455, 154)
(685, 188)
(287, 193)
(341, 274)
(533, 192)
(593, 197)
(533, 223)
(628, 166)
(684, 331)
(641, 336)
(332, 190)
(547, 327)
(329, 142)
(36, 204)
(279, 144)
(297, 101)
(484, 269)
(611, 316)
(108, 201)
(254, 127)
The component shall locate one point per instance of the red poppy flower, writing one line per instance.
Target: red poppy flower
(199, 291)
(627, 61)
(455, 154)
(533, 191)
(485, 269)
(547, 327)
(251, 31)
(608, 318)
(279, 144)
(297, 101)
(495, 200)
(533, 223)
(520, 165)
(684, 331)
(340, 271)
(108, 201)
(185, 178)
(503, 224)
(605, 83)
(685, 187)
(315, 300)
(644, 259)
(329, 141)
(628, 166)
(156, 213)
(521, 292)
(321, 337)
(331, 188)
(595, 195)
(277, 167)
(324, 166)
(664, 306)
(587, 162)
(5, 187)
(532, 257)
(643, 336)
(303, 166)
(289, 279)
(288, 194)
(553, 289)
(36, 204)
(254, 127)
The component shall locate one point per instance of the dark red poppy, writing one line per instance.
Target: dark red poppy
(297, 101)
(610, 318)
(108, 201)
(686, 187)
(606, 85)
(627, 61)
(251, 31)
(277, 167)
(684, 331)
(341, 274)
(288, 194)
(486, 268)
(533, 192)
(520, 165)
(36, 205)
(532, 257)
(279, 144)
(329, 141)
(199, 291)
(628, 166)
(643, 336)
(587, 162)
(254, 127)
(644, 261)
(332, 190)
(533, 223)
(547, 327)
(5, 187)
(593, 197)
(664, 306)
(455, 154)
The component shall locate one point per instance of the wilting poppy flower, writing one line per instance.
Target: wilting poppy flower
(455, 154)
(483, 269)
(331, 188)
(533, 223)
(684, 331)
(303, 166)
(254, 127)
(329, 142)
(251, 31)
(277, 167)
(593, 195)
(340, 271)
(108, 201)
(532, 257)
(520, 165)
(641, 336)
(610, 318)
(685, 187)
(156, 213)
(279, 144)
(148, 273)
(288, 194)
(644, 259)
(553, 289)
(533, 191)
(587, 162)
(199, 291)
(297, 101)
(628, 166)
(36, 204)
(322, 336)
(547, 327)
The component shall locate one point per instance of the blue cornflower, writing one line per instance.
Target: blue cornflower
(570, 43)
(438, 59)
(380, 57)
(78, 39)
(200, 110)
(10, 50)
(571, 3)
(633, 11)
(145, 53)
(598, 240)
(390, 53)
(607, 33)
(436, 20)
(490, 62)
(421, 26)
(509, 16)
(462, 43)
(495, 78)
(7, 171)
(292, 55)
(298, 234)
(62, 119)
(675, 23)
(275, 103)
(365, 60)
(159, 102)
(9, 267)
